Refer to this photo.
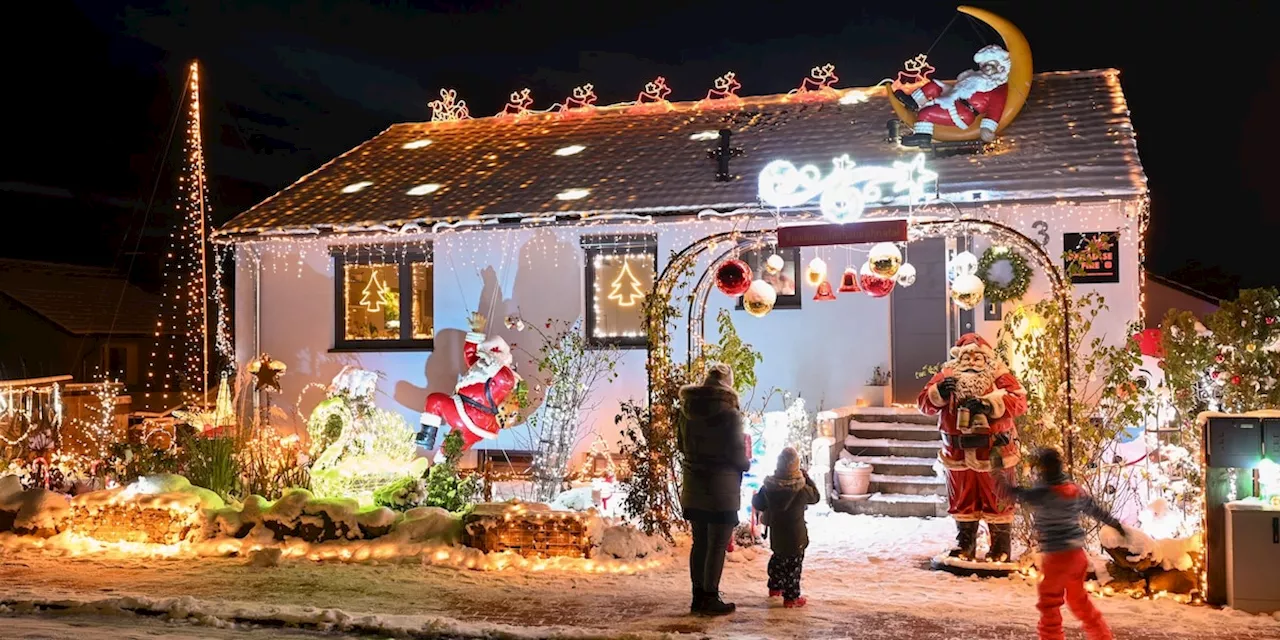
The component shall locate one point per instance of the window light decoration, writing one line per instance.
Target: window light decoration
(703, 136)
(569, 150)
(625, 289)
(621, 291)
(573, 194)
(357, 186)
(423, 189)
(416, 144)
(845, 191)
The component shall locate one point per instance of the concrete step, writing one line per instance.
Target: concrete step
(894, 430)
(891, 447)
(909, 415)
(894, 505)
(899, 465)
(929, 485)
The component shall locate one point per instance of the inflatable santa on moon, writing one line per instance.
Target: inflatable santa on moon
(978, 94)
(976, 399)
(476, 408)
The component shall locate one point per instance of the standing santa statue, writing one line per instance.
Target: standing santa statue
(976, 399)
(478, 407)
(977, 95)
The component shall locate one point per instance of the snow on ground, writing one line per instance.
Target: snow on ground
(865, 577)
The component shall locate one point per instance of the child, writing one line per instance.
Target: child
(1057, 504)
(781, 502)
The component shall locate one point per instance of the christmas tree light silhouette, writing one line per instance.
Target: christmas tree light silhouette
(374, 294)
(629, 298)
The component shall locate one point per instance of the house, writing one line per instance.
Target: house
(1162, 294)
(62, 319)
(377, 258)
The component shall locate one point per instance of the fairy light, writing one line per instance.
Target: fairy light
(625, 290)
(570, 150)
(423, 189)
(846, 191)
(449, 108)
(416, 144)
(573, 194)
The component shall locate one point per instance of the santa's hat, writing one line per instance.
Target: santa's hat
(972, 342)
(992, 53)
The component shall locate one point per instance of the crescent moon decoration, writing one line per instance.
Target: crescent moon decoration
(1019, 80)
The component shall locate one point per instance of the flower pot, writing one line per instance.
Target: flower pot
(853, 479)
(878, 396)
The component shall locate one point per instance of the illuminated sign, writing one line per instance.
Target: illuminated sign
(845, 192)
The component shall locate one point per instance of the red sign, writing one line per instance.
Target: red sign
(848, 233)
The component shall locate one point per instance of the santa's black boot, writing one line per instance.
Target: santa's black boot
(966, 540)
(1001, 542)
(922, 140)
(427, 437)
(906, 100)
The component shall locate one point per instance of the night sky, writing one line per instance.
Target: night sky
(89, 106)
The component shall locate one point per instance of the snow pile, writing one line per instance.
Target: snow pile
(626, 542)
(428, 523)
(579, 499)
(164, 491)
(1170, 554)
(34, 511)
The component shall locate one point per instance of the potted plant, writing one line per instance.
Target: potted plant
(391, 309)
(877, 391)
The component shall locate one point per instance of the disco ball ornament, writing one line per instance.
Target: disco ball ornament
(759, 298)
(875, 286)
(773, 266)
(885, 259)
(816, 273)
(964, 263)
(906, 274)
(824, 292)
(967, 291)
(849, 281)
(733, 277)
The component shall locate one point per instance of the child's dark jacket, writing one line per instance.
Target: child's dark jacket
(785, 500)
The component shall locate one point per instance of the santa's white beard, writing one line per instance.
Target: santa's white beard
(481, 371)
(971, 82)
(972, 384)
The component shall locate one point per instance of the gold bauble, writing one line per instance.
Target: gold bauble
(885, 259)
(816, 273)
(773, 266)
(759, 298)
(967, 290)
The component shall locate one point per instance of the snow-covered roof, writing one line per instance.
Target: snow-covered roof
(1073, 139)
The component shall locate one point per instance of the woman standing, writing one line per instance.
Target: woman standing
(711, 438)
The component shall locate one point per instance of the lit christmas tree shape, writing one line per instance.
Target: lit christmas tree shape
(374, 293)
(845, 192)
(632, 283)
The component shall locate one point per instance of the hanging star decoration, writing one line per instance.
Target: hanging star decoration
(913, 177)
(267, 373)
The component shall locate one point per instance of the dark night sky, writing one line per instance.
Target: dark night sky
(290, 85)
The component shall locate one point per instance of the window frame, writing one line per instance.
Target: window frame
(593, 245)
(381, 254)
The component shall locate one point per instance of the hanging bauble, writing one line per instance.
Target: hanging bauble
(967, 291)
(773, 266)
(849, 281)
(733, 277)
(906, 274)
(824, 292)
(963, 263)
(759, 298)
(885, 259)
(875, 286)
(816, 273)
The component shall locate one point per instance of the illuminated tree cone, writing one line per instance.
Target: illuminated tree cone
(759, 298)
(824, 292)
(875, 286)
(885, 259)
(733, 277)
(849, 281)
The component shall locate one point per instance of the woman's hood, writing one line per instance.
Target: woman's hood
(701, 401)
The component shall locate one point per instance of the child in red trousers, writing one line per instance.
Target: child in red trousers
(1057, 504)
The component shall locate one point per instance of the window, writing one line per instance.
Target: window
(785, 282)
(620, 273)
(384, 298)
(119, 362)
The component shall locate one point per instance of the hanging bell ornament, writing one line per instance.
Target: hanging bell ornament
(906, 274)
(885, 259)
(963, 263)
(759, 298)
(773, 266)
(849, 281)
(875, 286)
(967, 291)
(824, 292)
(733, 277)
(816, 273)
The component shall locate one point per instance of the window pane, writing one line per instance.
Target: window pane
(621, 282)
(373, 301)
(423, 301)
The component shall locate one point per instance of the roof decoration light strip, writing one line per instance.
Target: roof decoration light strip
(845, 192)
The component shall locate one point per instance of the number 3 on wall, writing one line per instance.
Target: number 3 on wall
(1042, 227)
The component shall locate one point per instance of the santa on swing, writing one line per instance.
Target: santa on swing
(976, 399)
(977, 94)
(479, 406)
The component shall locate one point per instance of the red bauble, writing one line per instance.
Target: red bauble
(1271, 319)
(824, 292)
(1235, 379)
(733, 277)
(1213, 374)
(875, 286)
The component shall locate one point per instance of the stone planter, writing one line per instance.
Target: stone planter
(877, 396)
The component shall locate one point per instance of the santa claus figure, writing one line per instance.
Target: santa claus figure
(976, 399)
(477, 407)
(977, 95)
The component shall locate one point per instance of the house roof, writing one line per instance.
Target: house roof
(1174, 284)
(1073, 139)
(81, 300)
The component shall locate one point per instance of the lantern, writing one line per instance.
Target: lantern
(824, 292)
(733, 277)
(816, 273)
(759, 298)
(849, 281)
(967, 291)
(885, 259)
(875, 286)
(906, 274)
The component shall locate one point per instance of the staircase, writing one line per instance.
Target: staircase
(901, 445)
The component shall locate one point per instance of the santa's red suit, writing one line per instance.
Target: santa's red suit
(966, 450)
(975, 95)
(475, 406)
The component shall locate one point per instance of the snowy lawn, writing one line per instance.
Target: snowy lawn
(865, 577)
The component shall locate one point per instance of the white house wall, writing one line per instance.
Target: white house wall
(825, 351)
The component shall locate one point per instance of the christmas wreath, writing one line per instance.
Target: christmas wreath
(1016, 285)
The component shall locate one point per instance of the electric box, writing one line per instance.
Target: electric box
(1253, 554)
(1271, 438)
(1234, 442)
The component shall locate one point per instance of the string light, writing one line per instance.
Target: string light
(449, 108)
(625, 291)
(844, 192)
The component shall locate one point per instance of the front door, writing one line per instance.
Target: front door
(918, 319)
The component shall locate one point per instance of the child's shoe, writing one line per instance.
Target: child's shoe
(775, 593)
(795, 604)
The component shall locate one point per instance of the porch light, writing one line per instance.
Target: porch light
(569, 150)
(356, 186)
(423, 189)
(416, 144)
(573, 194)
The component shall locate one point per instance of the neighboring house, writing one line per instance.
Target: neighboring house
(1162, 294)
(61, 319)
(377, 258)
